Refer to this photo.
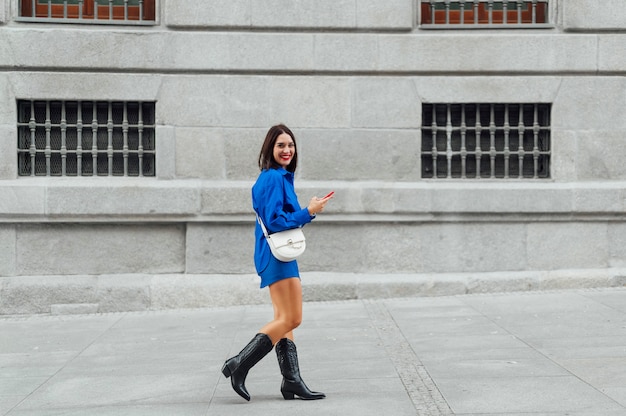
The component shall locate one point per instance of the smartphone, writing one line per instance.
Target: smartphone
(329, 195)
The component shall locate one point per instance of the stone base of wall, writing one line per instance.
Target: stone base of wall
(139, 292)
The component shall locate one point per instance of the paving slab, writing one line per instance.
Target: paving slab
(552, 353)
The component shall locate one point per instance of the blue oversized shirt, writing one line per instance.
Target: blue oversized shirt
(274, 200)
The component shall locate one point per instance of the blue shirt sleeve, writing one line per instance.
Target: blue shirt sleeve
(275, 200)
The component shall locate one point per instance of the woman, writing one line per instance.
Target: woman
(275, 201)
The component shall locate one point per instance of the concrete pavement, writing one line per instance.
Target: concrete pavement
(531, 353)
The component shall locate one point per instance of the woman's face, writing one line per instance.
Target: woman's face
(284, 150)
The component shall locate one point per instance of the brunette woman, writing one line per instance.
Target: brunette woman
(275, 202)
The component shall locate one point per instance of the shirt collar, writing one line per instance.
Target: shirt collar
(286, 173)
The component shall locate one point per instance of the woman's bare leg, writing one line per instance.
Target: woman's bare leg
(288, 334)
(286, 297)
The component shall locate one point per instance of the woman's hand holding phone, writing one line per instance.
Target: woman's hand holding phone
(316, 205)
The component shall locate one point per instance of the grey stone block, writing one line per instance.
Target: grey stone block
(608, 59)
(72, 86)
(192, 291)
(8, 110)
(186, 13)
(386, 103)
(588, 15)
(124, 292)
(133, 198)
(218, 153)
(391, 14)
(605, 96)
(8, 152)
(322, 14)
(7, 250)
(567, 245)
(496, 197)
(74, 309)
(617, 244)
(403, 199)
(215, 248)
(600, 198)
(18, 198)
(564, 158)
(272, 51)
(334, 292)
(618, 280)
(196, 52)
(241, 151)
(472, 247)
(574, 279)
(46, 249)
(166, 152)
(199, 154)
(598, 152)
(457, 52)
(224, 101)
(346, 52)
(335, 155)
(503, 282)
(405, 285)
(34, 294)
(463, 89)
(296, 14)
(353, 248)
(107, 45)
(228, 200)
(319, 101)
(415, 248)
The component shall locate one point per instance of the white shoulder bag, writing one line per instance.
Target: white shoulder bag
(285, 245)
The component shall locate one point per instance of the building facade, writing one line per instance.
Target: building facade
(463, 139)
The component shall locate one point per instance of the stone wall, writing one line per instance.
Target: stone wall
(350, 78)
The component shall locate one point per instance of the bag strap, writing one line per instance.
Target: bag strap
(262, 226)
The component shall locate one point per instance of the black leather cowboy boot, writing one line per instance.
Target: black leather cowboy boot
(237, 367)
(292, 384)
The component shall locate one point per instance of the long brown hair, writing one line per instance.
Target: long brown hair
(266, 156)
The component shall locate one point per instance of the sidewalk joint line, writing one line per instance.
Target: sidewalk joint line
(424, 394)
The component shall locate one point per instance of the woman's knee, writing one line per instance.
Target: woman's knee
(291, 322)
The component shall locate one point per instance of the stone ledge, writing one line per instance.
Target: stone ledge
(302, 52)
(120, 293)
(593, 16)
(178, 201)
(291, 14)
(74, 309)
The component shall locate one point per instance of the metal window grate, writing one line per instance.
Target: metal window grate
(85, 138)
(486, 141)
(88, 11)
(484, 13)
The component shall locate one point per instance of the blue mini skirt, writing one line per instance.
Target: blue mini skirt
(278, 270)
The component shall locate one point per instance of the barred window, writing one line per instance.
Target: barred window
(85, 138)
(483, 13)
(88, 11)
(486, 141)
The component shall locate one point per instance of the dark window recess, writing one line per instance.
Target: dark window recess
(85, 138)
(498, 141)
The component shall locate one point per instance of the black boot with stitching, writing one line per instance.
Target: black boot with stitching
(238, 366)
(292, 384)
